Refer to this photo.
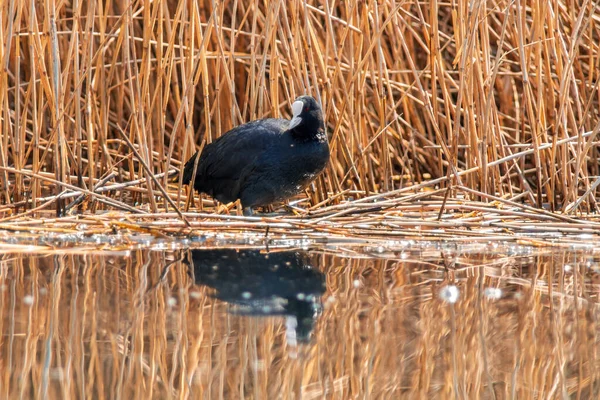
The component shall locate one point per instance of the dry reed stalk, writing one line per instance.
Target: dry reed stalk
(432, 95)
(412, 216)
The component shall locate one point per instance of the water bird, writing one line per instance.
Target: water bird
(263, 161)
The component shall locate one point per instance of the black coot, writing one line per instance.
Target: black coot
(263, 161)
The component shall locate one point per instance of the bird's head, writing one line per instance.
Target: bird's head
(307, 116)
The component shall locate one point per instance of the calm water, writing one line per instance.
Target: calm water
(418, 320)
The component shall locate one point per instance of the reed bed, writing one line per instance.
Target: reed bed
(375, 220)
(102, 102)
(115, 326)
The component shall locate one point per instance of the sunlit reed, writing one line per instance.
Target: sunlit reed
(499, 98)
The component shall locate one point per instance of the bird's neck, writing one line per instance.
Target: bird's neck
(302, 134)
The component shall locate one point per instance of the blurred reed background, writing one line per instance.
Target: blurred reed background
(110, 327)
(497, 97)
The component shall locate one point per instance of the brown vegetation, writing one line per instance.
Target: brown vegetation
(99, 99)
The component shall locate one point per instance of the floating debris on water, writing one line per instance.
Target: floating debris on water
(449, 294)
(518, 295)
(195, 295)
(291, 324)
(492, 293)
(246, 295)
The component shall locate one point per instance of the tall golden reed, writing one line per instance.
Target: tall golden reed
(499, 97)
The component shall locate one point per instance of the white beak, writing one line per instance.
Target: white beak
(295, 122)
(296, 110)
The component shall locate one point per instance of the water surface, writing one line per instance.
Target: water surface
(413, 320)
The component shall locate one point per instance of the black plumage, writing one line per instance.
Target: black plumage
(263, 161)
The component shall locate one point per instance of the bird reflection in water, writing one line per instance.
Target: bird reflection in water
(264, 284)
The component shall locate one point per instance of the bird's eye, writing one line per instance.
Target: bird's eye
(305, 109)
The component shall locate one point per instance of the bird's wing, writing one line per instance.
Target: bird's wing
(233, 153)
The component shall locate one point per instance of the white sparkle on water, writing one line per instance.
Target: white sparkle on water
(28, 300)
(449, 294)
(492, 293)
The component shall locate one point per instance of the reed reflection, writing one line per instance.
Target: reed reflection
(257, 283)
(419, 324)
